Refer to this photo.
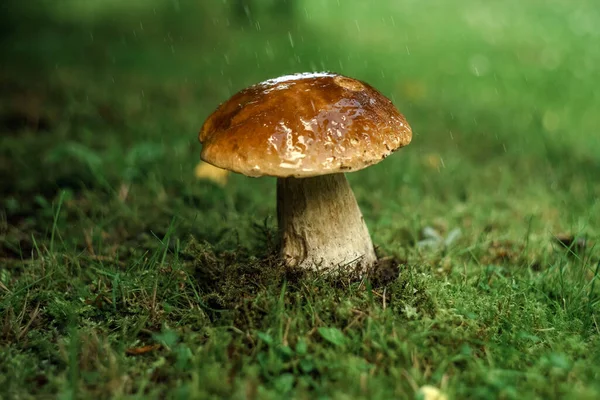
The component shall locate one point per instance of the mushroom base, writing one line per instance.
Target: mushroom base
(321, 226)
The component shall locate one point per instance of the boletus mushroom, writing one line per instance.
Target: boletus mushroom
(307, 130)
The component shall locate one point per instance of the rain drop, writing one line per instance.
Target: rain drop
(479, 65)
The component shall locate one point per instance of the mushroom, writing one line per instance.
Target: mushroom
(307, 130)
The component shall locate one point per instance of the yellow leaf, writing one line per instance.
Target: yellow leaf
(431, 393)
(209, 172)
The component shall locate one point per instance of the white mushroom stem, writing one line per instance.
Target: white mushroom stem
(320, 224)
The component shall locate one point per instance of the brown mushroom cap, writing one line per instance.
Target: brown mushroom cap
(303, 125)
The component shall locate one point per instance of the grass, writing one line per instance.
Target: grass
(123, 276)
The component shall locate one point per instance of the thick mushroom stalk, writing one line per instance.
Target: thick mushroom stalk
(320, 224)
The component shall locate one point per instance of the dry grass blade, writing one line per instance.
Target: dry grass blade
(34, 315)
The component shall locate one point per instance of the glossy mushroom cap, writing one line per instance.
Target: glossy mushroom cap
(303, 125)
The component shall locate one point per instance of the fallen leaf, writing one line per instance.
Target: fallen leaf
(430, 393)
(209, 172)
(136, 351)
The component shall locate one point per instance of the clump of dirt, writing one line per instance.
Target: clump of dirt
(229, 280)
(240, 288)
(385, 271)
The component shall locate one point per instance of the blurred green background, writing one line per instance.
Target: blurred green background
(100, 105)
(513, 83)
(515, 72)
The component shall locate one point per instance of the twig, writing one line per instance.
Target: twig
(136, 351)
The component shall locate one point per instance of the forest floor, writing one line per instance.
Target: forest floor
(122, 275)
